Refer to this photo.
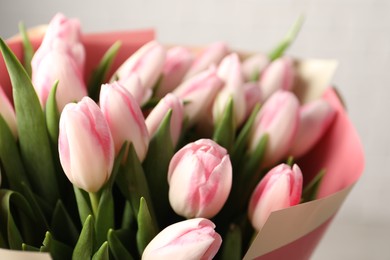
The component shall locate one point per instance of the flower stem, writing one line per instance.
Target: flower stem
(94, 198)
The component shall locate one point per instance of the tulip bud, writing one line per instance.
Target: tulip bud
(279, 119)
(314, 119)
(132, 83)
(177, 63)
(254, 65)
(155, 117)
(200, 179)
(124, 117)
(191, 239)
(8, 113)
(147, 62)
(61, 57)
(252, 97)
(230, 72)
(279, 75)
(199, 93)
(85, 145)
(212, 55)
(280, 188)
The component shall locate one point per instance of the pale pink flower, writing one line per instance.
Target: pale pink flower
(280, 188)
(124, 118)
(200, 179)
(85, 145)
(279, 119)
(314, 119)
(193, 239)
(154, 119)
(61, 57)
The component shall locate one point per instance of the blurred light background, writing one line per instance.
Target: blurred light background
(356, 32)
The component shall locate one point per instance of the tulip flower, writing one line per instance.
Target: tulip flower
(61, 57)
(279, 119)
(177, 63)
(200, 179)
(124, 118)
(314, 119)
(252, 96)
(85, 145)
(230, 72)
(280, 188)
(212, 55)
(279, 75)
(155, 117)
(147, 62)
(133, 84)
(191, 239)
(8, 113)
(254, 65)
(199, 93)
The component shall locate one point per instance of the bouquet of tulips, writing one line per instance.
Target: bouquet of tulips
(175, 154)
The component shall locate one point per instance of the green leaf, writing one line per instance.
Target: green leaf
(16, 230)
(99, 74)
(26, 247)
(33, 136)
(287, 41)
(84, 245)
(255, 158)
(131, 180)
(28, 51)
(225, 131)
(311, 190)
(10, 158)
(52, 114)
(62, 225)
(232, 243)
(105, 215)
(102, 253)
(240, 145)
(57, 249)
(83, 204)
(156, 166)
(128, 218)
(117, 249)
(147, 228)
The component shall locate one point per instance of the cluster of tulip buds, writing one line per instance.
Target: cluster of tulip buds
(192, 137)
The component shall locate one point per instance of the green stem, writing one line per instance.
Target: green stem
(94, 197)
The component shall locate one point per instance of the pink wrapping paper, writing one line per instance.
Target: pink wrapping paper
(288, 234)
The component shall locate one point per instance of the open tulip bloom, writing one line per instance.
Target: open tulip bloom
(177, 154)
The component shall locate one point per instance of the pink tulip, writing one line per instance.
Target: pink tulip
(154, 119)
(61, 56)
(254, 65)
(199, 93)
(85, 145)
(147, 62)
(280, 188)
(133, 84)
(279, 119)
(279, 75)
(8, 113)
(200, 179)
(252, 97)
(178, 61)
(212, 55)
(124, 117)
(230, 72)
(191, 239)
(314, 119)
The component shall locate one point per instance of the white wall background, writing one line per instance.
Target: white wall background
(356, 32)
